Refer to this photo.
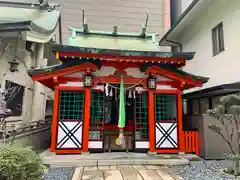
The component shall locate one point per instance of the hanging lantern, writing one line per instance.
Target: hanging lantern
(13, 65)
(87, 80)
(151, 82)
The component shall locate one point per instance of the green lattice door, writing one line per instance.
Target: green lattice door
(166, 133)
(97, 120)
(141, 121)
(70, 120)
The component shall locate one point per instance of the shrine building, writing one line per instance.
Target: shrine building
(87, 86)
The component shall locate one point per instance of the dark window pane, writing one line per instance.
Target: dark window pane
(165, 107)
(221, 38)
(14, 97)
(218, 39)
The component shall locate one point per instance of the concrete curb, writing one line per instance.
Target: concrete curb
(113, 162)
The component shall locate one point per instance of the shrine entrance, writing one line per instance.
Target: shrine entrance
(104, 129)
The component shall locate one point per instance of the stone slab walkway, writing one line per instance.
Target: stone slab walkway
(124, 172)
(102, 159)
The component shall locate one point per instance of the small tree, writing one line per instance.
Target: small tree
(227, 113)
(4, 113)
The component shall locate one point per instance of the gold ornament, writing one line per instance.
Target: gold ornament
(182, 84)
(117, 141)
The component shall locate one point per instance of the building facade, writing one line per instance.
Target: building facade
(24, 42)
(217, 19)
(209, 29)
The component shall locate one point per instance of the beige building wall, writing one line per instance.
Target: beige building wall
(103, 15)
(224, 67)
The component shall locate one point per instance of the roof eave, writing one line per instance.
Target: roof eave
(15, 27)
(64, 48)
(25, 5)
(164, 41)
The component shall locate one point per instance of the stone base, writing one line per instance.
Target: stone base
(85, 153)
(152, 153)
(181, 153)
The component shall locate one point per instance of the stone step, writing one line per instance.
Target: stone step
(112, 162)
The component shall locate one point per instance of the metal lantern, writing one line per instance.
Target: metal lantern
(13, 65)
(88, 80)
(151, 82)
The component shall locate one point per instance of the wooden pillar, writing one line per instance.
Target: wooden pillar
(86, 123)
(151, 121)
(180, 126)
(54, 120)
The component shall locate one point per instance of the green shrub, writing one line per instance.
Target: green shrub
(20, 164)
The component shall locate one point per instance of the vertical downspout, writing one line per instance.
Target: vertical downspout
(167, 15)
(60, 29)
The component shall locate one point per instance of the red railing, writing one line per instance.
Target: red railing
(191, 142)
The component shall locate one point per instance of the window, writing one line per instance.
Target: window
(49, 107)
(165, 108)
(185, 106)
(204, 105)
(195, 107)
(218, 39)
(71, 105)
(14, 97)
(216, 101)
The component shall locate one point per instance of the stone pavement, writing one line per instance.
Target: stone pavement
(101, 159)
(124, 172)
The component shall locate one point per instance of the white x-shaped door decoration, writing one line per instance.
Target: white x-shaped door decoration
(166, 135)
(70, 135)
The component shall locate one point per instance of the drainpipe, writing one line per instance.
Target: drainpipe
(60, 29)
(178, 44)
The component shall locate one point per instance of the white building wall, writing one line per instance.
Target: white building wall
(224, 67)
(21, 78)
(185, 4)
(178, 7)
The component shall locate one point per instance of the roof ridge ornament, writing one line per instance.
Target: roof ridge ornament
(43, 3)
(144, 27)
(115, 30)
(84, 24)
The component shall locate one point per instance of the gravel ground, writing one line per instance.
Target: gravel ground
(203, 170)
(59, 174)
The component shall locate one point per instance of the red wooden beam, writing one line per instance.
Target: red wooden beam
(155, 70)
(121, 58)
(67, 71)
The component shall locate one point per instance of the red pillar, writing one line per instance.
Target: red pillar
(151, 121)
(180, 126)
(86, 124)
(54, 120)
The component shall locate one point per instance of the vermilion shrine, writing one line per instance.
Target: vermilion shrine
(87, 85)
